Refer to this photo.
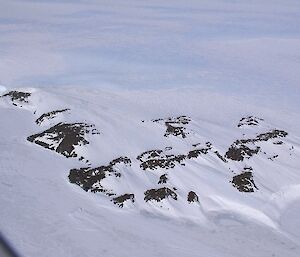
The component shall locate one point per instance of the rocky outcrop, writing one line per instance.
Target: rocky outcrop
(17, 97)
(246, 148)
(49, 116)
(244, 182)
(159, 194)
(175, 126)
(249, 121)
(64, 137)
(238, 151)
(90, 179)
(192, 197)
(120, 200)
(163, 179)
(155, 159)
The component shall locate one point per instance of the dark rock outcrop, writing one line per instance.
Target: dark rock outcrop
(245, 148)
(192, 197)
(49, 116)
(197, 152)
(89, 179)
(163, 179)
(159, 194)
(249, 121)
(244, 182)
(221, 157)
(237, 151)
(275, 133)
(122, 198)
(17, 97)
(155, 159)
(175, 126)
(64, 137)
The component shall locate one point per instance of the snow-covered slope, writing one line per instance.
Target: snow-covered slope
(147, 173)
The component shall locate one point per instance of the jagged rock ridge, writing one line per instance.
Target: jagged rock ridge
(49, 115)
(64, 137)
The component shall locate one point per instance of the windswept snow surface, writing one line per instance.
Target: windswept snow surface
(199, 98)
(2, 89)
(43, 214)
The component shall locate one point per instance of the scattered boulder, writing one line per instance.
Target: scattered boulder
(244, 182)
(248, 168)
(192, 197)
(49, 116)
(221, 157)
(204, 150)
(159, 194)
(163, 179)
(122, 198)
(195, 145)
(273, 157)
(249, 121)
(64, 137)
(89, 179)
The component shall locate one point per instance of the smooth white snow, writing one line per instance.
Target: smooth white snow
(2, 89)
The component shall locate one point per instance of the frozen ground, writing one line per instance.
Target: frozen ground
(126, 67)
